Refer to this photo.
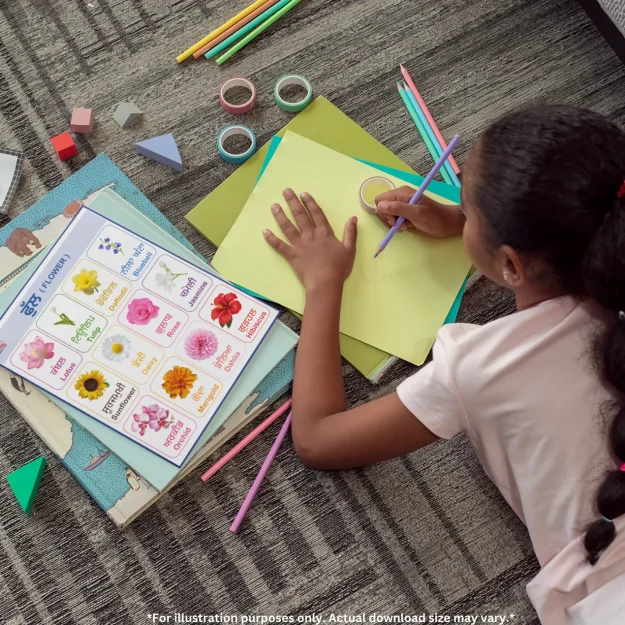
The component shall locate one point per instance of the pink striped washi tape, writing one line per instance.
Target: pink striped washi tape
(237, 109)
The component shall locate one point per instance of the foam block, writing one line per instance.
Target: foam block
(64, 146)
(126, 114)
(162, 149)
(82, 120)
(24, 483)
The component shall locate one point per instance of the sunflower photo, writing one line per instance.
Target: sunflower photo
(91, 385)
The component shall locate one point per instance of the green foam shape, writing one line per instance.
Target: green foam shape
(24, 482)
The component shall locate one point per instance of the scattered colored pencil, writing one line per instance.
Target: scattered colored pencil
(420, 191)
(446, 166)
(195, 47)
(246, 441)
(428, 116)
(233, 29)
(245, 29)
(264, 26)
(424, 135)
(261, 475)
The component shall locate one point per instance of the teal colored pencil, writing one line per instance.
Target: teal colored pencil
(226, 43)
(433, 139)
(422, 132)
(264, 26)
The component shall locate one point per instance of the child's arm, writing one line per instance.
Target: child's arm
(326, 435)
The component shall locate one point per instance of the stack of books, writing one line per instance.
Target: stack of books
(123, 482)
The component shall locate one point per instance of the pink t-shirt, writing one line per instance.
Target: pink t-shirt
(523, 389)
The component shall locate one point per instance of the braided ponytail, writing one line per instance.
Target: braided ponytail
(558, 194)
(604, 278)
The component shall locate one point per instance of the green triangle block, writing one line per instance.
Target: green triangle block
(24, 482)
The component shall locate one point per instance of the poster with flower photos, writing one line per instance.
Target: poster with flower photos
(132, 335)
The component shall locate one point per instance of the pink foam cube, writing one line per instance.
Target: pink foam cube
(82, 120)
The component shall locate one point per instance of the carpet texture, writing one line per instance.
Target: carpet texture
(424, 534)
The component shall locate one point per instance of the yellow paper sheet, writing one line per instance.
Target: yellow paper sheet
(396, 302)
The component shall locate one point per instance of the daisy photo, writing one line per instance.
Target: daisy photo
(116, 348)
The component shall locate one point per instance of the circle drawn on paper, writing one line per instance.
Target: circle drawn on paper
(373, 270)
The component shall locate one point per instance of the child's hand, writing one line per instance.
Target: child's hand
(316, 255)
(427, 216)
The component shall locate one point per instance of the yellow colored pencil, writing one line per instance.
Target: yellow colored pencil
(194, 48)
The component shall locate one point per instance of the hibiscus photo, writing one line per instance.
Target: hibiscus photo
(225, 306)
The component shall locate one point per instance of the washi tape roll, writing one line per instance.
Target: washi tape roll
(229, 131)
(293, 79)
(237, 109)
(370, 189)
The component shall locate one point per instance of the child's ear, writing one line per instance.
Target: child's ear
(514, 271)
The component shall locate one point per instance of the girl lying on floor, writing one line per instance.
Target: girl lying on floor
(538, 393)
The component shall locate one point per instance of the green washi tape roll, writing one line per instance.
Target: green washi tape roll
(293, 79)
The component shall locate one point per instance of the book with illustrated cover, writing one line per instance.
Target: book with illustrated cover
(119, 489)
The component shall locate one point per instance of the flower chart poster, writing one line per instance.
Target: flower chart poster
(132, 335)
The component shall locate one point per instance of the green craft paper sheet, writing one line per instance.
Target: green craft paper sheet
(320, 121)
(276, 345)
(396, 302)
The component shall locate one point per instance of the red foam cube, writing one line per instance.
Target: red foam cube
(64, 146)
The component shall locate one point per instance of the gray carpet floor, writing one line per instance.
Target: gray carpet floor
(421, 535)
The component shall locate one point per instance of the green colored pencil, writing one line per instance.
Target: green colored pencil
(257, 31)
(422, 132)
(246, 29)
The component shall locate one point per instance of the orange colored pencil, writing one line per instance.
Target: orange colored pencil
(428, 116)
(233, 29)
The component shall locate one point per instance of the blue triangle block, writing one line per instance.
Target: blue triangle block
(162, 149)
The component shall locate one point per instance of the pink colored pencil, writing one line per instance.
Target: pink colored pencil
(261, 475)
(234, 28)
(429, 117)
(247, 440)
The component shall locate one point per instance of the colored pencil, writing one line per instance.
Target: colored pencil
(424, 135)
(245, 29)
(428, 116)
(264, 26)
(261, 475)
(439, 151)
(233, 29)
(420, 191)
(195, 47)
(246, 441)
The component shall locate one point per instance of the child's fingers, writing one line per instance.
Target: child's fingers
(280, 246)
(351, 234)
(301, 216)
(387, 220)
(401, 194)
(395, 209)
(286, 225)
(316, 214)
